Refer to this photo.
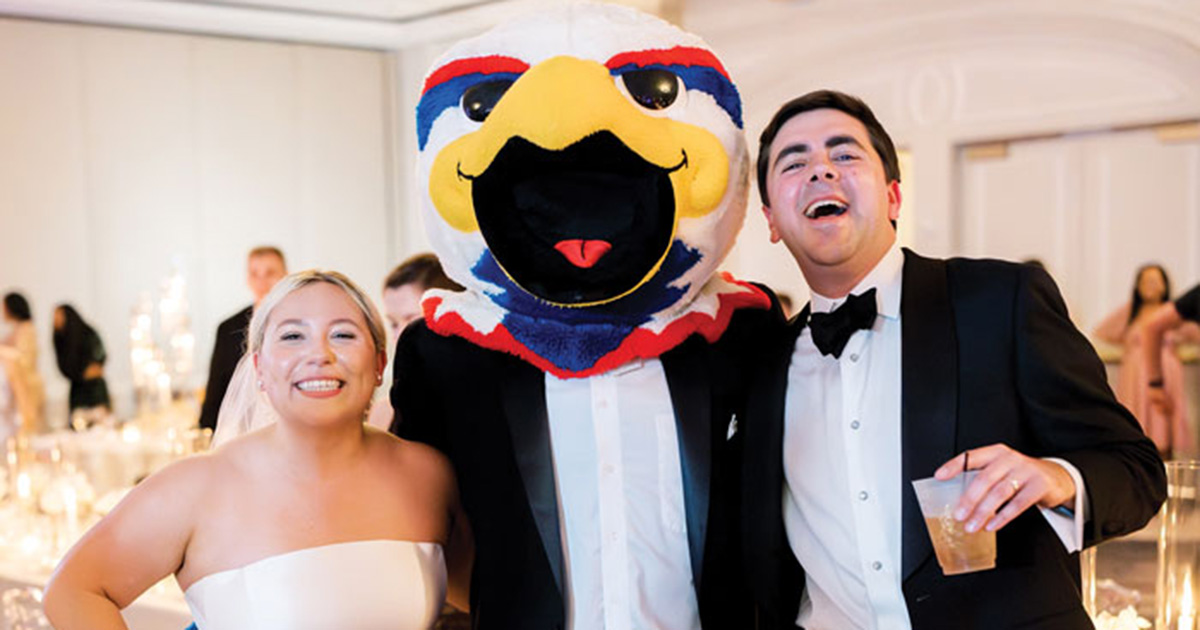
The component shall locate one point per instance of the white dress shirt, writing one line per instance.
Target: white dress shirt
(842, 468)
(620, 496)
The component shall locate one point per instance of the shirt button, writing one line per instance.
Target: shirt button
(608, 469)
(603, 404)
(612, 537)
(877, 565)
(862, 496)
(854, 425)
(854, 358)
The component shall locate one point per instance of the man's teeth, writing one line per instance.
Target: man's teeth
(324, 385)
(825, 208)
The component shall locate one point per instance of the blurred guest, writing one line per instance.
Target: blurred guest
(1126, 327)
(402, 291)
(1186, 308)
(265, 265)
(81, 357)
(18, 360)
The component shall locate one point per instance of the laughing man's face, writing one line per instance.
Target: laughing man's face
(831, 203)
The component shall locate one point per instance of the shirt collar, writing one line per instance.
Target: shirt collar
(885, 278)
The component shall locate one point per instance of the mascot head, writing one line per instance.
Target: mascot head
(586, 172)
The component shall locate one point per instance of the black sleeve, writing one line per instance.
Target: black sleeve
(1188, 304)
(227, 351)
(95, 348)
(414, 394)
(1065, 393)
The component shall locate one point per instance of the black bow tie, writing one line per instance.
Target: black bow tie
(831, 331)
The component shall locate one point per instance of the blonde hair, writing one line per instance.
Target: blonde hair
(296, 281)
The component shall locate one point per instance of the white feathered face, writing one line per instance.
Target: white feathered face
(589, 157)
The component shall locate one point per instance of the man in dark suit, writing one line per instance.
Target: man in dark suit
(265, 265)
(898, 369)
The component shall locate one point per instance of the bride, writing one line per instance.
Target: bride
(313, 521)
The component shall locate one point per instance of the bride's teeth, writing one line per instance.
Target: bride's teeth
(319, 386)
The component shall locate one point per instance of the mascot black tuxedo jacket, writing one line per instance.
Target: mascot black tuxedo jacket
(474, 404)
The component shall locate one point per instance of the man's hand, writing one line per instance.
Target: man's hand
(1008, 483)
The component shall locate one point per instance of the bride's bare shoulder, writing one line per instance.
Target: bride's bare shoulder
(410, 457)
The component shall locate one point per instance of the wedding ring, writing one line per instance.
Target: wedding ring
(1016, 485)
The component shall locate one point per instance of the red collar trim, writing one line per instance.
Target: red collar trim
(640, 344)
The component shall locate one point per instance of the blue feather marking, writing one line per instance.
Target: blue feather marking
(575, 338)
(446, 95)
(701, 78)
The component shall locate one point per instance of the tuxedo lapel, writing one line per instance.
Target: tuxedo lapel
(929, 391)
(691, 397)
(780, 580)
(524, 400)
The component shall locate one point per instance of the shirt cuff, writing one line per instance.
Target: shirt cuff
(1069, 527)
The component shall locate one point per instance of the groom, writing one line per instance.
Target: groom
(899, 367)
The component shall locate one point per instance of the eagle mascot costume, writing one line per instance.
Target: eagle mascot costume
(586, 173)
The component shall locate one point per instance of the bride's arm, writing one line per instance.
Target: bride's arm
(140, 542)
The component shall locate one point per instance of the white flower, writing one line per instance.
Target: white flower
(1127, 619)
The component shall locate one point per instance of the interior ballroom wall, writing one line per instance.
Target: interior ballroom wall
(128, 153)
(1085, 196)
(176, 138)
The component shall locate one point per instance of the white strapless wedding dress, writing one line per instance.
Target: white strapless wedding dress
(363, 585)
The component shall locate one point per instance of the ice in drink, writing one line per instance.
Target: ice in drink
(957, 550)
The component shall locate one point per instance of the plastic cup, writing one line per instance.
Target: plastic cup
(958, 551)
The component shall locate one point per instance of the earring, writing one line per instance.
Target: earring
(379, 379)
(260, 384)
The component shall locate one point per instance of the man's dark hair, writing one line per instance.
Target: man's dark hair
(423, 270)
(18, 307)
(826, 99)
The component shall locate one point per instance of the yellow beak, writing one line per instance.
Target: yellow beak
(562, 101)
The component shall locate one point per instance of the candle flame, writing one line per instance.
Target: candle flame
(1186, 605)
(130, 433)
(24, 486)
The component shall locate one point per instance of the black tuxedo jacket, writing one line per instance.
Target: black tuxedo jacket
(486, 411)
(228, 348)
(988, 356)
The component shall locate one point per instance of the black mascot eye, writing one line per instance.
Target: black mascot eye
(479, 99)
(652, 88)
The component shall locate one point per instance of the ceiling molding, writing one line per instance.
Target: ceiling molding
(268, 24)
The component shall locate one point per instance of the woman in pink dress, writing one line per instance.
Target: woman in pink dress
(1125, 326)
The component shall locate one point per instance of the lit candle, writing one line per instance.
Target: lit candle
(1187, 606)
(24, 487)
(71, 510)
(130, 433)
(164, 390)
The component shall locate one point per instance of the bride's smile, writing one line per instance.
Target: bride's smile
(318, 361)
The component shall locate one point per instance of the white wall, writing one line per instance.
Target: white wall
(944, 73)
(1093, 207)
(125, 152)
(124, 149)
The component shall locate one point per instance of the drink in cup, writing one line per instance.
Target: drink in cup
(958, 551)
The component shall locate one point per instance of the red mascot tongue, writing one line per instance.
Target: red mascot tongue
(583, 253)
